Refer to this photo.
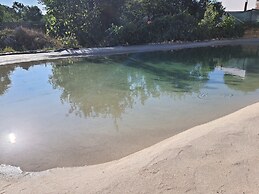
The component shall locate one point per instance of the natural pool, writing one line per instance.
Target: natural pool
(78, 112)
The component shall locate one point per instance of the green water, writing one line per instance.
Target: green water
(86, 111)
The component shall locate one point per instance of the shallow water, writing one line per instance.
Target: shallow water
(86, 111)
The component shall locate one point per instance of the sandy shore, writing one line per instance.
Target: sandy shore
(21, 58)
(218, 157)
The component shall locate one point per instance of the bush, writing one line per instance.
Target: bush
(178, 27)
(6, 39)
(228, 28)
(166, 28)
(8, 50)
(21, 39)
(114, 35)
(28, 39)
(69, 42)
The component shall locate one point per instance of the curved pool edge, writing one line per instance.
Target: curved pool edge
(84, 52)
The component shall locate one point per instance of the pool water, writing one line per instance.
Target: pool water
(78, 112)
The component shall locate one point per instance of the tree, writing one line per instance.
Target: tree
(211, 17)
(87, 20)
(33, 14)
(18, 7)
(8, 14)
(216, 23)
(27, 13)
(1, 14)
(110, 22)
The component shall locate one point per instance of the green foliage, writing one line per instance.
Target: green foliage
(176, 27)
(19, 12)
(69, 42)
(8, 50)
(115, 22)
(166, 28)
(216, 24)
(28, 13)
(211, 17)
(7, 14)
(33, 14)
(86, 19)
(230, 28)
(209, 23)
(122, 22)
(114, 35)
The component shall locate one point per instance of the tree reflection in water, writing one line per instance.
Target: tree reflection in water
(5, 73)
(179, 90)
(107, 86)
(5, 81)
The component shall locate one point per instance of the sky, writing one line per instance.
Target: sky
(25, 2)
(231, 5)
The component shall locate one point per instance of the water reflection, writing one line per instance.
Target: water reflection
(5, 81)
(74, 112)
(108, 88)
(250, 83)
(109, 85)
(6, 72)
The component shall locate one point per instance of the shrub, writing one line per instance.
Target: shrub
(114, 35)
(178, 27)
(69, 42)
(229, 28)
(6, 39)
(28, 39)
(21, 39)
(8, 50)
(182, 26)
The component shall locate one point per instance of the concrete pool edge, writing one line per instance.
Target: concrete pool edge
(217, 156)
(84, 52)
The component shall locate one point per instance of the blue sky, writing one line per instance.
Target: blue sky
(229, 4)
(25, 2)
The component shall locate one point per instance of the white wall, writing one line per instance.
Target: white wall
(238, 5)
